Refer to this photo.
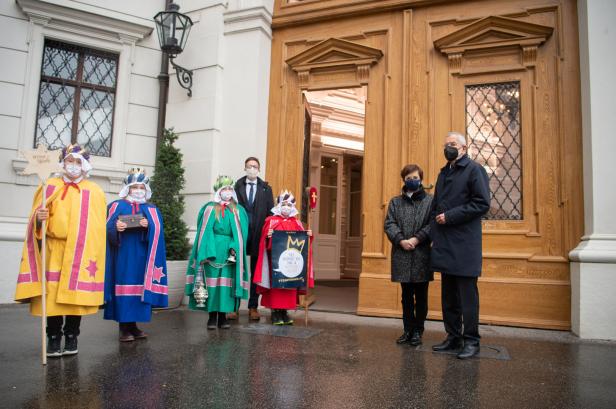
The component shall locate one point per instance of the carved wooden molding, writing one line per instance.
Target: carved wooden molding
(490, 34)
(334, 54)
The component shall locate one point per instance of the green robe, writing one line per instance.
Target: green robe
(226, 285)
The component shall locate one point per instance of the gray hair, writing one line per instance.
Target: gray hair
(461, 138)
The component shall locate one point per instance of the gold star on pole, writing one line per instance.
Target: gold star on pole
(41, 161)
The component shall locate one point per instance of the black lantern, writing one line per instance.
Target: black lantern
(173, 28)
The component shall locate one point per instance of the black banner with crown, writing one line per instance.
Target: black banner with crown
(289, 258)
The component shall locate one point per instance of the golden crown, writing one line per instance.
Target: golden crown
(295, 244)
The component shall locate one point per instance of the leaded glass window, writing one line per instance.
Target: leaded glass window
(493, 129)
(76, 98)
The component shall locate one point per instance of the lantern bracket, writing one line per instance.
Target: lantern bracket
(184, 76)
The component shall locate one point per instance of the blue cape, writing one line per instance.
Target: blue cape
(154, 290)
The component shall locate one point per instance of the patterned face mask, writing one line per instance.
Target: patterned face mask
(226, 195)
(138, 194)
(73, 170)
(285, 210)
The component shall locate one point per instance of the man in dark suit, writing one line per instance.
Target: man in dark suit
(461, 198)
(257, 198)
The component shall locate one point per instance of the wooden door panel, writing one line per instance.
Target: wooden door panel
(416, 94)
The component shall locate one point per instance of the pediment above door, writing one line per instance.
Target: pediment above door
(491, 34)
(333, 55)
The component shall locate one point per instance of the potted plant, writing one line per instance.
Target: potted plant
(167, 183)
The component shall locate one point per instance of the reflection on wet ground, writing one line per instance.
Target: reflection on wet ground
(351, 362)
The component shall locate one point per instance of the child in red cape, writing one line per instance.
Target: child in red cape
(280, 299)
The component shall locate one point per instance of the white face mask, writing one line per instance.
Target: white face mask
(252, 173)
(226, 195)
(285, 210)
(138, 194)
(73, 170)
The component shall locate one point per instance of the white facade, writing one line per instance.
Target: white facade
(223, 122)
(593, 267)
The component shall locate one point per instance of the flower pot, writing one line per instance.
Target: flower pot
(176, 280)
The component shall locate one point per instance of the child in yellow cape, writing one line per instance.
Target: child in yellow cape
(75, 241)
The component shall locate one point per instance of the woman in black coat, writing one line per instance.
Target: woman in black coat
(407, 227)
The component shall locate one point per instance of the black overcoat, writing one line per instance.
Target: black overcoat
(263, 204)
(406, 218)
(463, 193)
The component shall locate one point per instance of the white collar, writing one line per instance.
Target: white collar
(67, 180)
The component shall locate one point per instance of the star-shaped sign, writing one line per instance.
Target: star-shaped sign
(158, 274)
(92, 268)
(41, 161)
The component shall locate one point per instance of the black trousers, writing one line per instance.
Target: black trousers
(253, 301)
(71, 325)
(460, 302)
(414, 305)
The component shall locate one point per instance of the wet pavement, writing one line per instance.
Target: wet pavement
(346, 362)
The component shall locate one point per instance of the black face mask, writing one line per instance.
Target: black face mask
(451, 153)
(412, 185)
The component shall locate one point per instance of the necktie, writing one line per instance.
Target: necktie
(251, 193)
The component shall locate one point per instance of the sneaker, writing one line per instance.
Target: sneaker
(277, 318)
(126, 336)
(70, 344)
(54, 347)
(232, 316)
(222, 321)
(253, 314)
(286, 319)
(211, 322)
(137, 333)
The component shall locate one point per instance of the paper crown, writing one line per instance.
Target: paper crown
(222, 181)
(136, 175)
(286, 196)
(75, 148)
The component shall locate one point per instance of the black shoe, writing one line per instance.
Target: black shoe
(285, 318)
(211, 322)
(70, 344)
(222, 321)
(450, 344)
(54, 346)
(404, 338)
(416, 337)
(470, 350)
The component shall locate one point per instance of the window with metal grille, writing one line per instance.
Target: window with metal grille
(76, 97)
(493, 129)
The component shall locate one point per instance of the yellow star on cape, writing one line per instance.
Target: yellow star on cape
(41, 161)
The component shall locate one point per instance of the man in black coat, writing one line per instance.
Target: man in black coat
(257, 198)
(461, 198)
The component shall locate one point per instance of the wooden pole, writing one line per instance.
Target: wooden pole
(44, 279)
(306, 303)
